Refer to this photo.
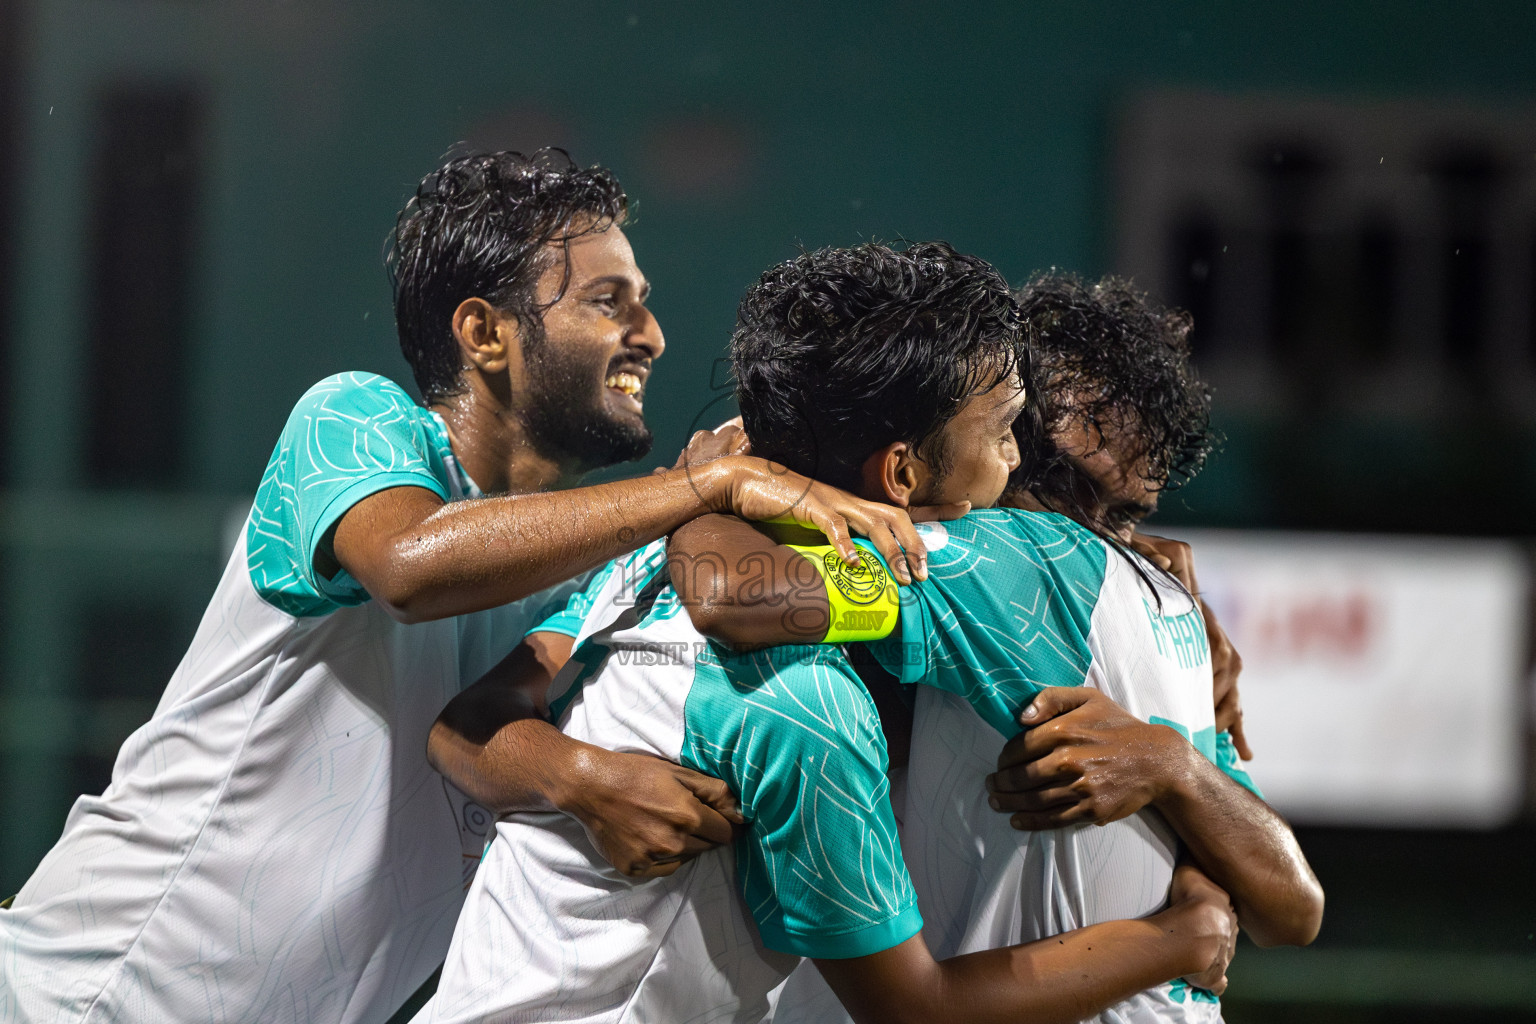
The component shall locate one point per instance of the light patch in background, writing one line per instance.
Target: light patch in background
(1381, 676)
(700, 158)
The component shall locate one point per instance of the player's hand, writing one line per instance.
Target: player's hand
(1083, 758)
(1202, 911)
(708, 445)
(1171, 556)
(1226, 666)
(646, 816)
(760, 490)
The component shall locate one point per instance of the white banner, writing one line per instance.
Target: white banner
(1383, 676)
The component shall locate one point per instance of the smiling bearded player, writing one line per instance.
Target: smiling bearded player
(273, 846)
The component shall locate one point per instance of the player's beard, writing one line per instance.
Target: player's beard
(567, 418)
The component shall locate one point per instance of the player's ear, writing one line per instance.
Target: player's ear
(894, 474)
(485, 336)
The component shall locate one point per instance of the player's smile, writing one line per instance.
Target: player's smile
(626, 385)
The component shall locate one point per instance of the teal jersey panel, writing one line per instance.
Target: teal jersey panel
(350, 436)
(1227, 760)
(796, 736)
(616, 585)
(1005, 611)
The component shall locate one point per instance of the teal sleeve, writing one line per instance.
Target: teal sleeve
(350, 436)
(567, 621)
(611, 589)
(1227, 760)
(1005, 611)
(796, 736)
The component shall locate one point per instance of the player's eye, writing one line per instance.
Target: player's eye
(607, 302)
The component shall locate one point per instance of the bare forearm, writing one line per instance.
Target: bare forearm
(471, 555)
(526, 764)
(742, 588)
(1249, 850)
(1066, 978)
(1063, 979)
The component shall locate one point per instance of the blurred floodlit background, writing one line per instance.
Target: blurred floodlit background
(194, 197)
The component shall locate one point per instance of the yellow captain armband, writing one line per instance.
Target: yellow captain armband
(862, 597)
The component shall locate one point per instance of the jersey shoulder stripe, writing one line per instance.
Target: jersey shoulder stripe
(350, 436)
(1006, 610)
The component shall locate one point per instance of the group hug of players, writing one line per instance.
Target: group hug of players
(881, 678)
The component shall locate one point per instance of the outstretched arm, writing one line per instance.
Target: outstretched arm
(1082, 758)
(425, 559)
(645, 815)
(747, 589)
(743, 588)
(1065, 978)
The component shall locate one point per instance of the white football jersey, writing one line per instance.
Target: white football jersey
(551, 932)
(1015, 602)
(273, 845)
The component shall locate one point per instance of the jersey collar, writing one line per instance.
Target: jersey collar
(459, 483)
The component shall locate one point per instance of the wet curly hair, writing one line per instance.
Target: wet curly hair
(480, 227)
(840, 352)
(1106, 354)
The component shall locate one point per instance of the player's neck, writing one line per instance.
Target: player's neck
(491, 442)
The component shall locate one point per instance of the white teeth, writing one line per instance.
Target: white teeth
(625, 382)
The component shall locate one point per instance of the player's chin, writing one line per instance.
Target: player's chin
(628, 437)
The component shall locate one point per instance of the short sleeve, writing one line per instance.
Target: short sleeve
(794, 733)
(567, 620)
(1005, 611)
(614, 586)
(350, 436)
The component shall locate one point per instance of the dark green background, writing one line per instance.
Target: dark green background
(741, 132)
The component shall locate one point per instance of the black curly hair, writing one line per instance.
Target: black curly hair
(840, 352)
(1109, 356)
(479, 227)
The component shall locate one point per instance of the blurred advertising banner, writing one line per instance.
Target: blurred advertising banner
(1383, 676)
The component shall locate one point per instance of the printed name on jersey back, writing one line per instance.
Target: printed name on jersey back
(1179, 637)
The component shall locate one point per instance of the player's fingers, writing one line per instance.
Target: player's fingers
(1239, 740)
(1035, 754)
(1056, 817)
(890, 549)
(1045, 798)
(835, 527)
(695, 845)
(1146, 549)
(731, 436)
(713, 793)
(900, 525)
(653, 869)
(1028, 775)
(1053, 701)
(1037, 821)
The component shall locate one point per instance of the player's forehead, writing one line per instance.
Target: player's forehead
(595, 257)
(996, 403)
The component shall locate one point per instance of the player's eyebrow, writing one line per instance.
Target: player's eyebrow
(619, 280)
(1009, 409)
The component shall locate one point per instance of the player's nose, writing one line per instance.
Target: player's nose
(645, 334)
